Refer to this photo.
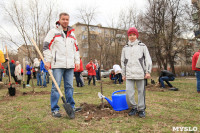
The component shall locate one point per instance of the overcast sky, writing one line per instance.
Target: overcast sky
(107, 9)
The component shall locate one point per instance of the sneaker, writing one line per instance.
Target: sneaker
(141, 114)
(133, 111)
(77, 109)
(56, 114)
(28, 85)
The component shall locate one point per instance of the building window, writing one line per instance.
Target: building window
(93, 37)
(84, 37)
(84, 28)
(85, 54)
(85, 45)
(93, 28)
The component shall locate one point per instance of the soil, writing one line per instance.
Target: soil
(97, 112)
(19, 93)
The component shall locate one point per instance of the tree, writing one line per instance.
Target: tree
(87, 15)
(30, 20)
(163, 24)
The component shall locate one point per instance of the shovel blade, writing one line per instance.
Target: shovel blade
(11, 91)
(69, 110)
(24, 86)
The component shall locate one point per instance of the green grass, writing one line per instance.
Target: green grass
(165, 110)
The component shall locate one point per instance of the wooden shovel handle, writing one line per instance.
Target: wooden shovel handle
(50, 73)
(8, 65)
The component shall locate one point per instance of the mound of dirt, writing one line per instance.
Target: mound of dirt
(97, 112)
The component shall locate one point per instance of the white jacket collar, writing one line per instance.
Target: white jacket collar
(133, 43)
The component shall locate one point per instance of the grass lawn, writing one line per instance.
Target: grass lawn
(165, 110)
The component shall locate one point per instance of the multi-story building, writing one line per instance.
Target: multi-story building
(105, 38)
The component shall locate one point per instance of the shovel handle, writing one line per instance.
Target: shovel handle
(8, 64)
(50, 73)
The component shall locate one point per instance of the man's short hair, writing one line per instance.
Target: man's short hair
(63, 13)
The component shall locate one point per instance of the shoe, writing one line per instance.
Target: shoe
(56, 114)
(133, 111)
(28, 85)
(141, 114)
(77, 109)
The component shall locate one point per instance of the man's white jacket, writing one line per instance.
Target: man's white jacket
(61, 49)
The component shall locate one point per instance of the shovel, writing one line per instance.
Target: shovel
(11, 90)
(69, 110)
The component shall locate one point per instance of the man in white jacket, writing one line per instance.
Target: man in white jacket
(62, 54)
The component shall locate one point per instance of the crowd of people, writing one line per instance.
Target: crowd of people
(35, 71)
(61, 54)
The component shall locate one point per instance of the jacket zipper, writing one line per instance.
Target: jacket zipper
(55, 58)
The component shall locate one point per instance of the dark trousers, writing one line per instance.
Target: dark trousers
(119, 77)
(78, 79)
(97, 75)
(90, 78)
(47, 77)
(1, 75)
(29, 77)
(166, 79)
(14, 77)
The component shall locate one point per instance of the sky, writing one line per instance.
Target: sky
(106, 9)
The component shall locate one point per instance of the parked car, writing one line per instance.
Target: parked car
(104, 73)
(84, 73)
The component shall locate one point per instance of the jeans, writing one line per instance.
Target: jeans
(97, 75)
(39, 79)
(166, 79)
(47, 77)
(119, 77)
(90, 78)
(198, 80)
(67, 75)
(78, 79)
(44, 79)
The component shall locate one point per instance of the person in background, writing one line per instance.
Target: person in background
(28, 69)
(34, 73)
(12, 71)
(91, 67)
(166, 76)
(1, 72)
(118, 72)
(18, 72)
(97, 70)
(2, 59)
(112, 75)
(197, 70)
(36, 66)
(77, 74)
(44, 73)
